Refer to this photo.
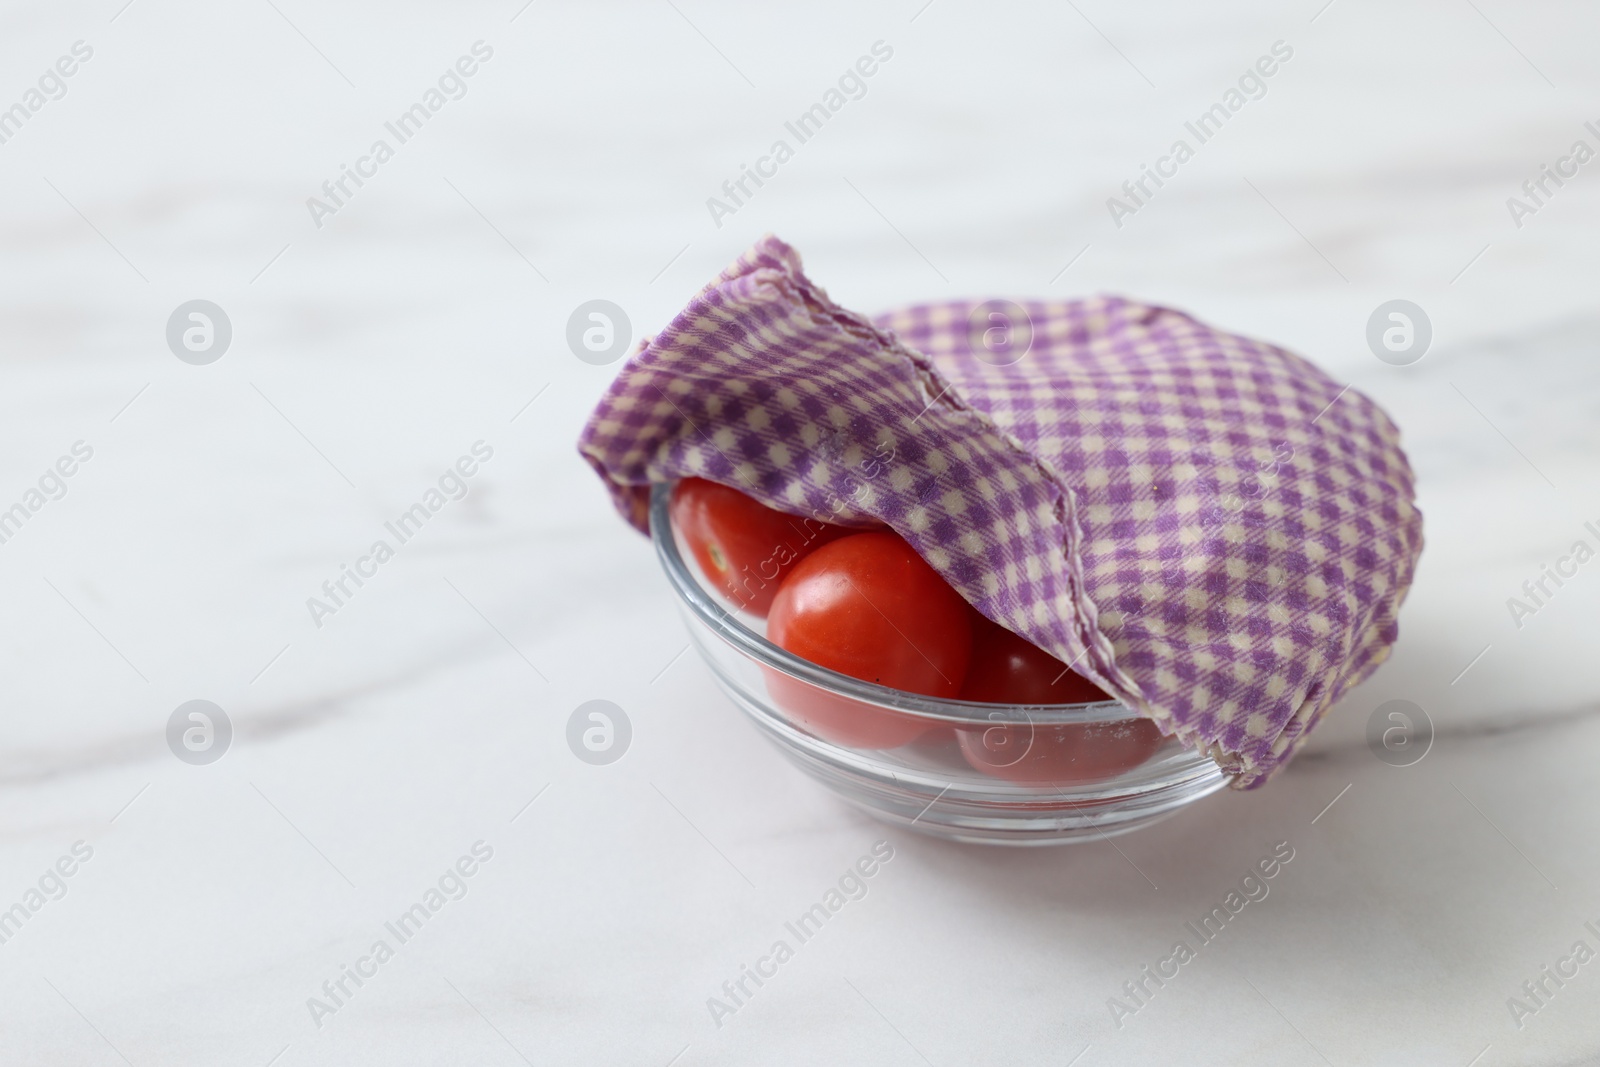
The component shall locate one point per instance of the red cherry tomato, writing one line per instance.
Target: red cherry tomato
(868, 606)
(743, 546)
(840, 719)
(1007, 669)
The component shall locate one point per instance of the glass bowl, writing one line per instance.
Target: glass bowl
(1114, 773)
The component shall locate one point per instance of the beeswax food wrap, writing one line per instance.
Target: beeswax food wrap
(1208, 527)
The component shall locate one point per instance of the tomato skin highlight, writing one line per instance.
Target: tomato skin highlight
(869, 607)
(1007, 669)
(742, 545)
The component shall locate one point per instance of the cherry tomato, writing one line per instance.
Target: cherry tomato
(744, 546)
(1007, 669)
(840, 719)
(868, 606)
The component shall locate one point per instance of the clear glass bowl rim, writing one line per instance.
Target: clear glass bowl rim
(725, 625)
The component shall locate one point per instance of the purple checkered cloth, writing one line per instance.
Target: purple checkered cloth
(1208, 527)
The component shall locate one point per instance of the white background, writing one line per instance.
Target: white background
(370, 353)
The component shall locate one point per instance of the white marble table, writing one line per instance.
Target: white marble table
(370, 753)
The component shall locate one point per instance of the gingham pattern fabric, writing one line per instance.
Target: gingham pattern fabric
(1208, 527)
